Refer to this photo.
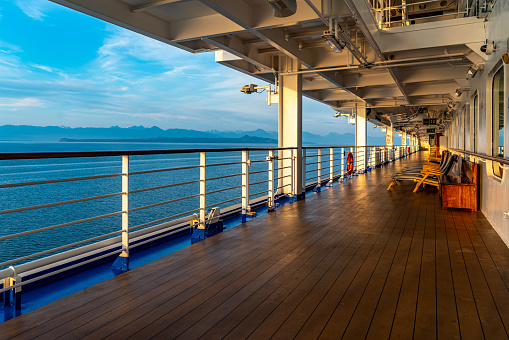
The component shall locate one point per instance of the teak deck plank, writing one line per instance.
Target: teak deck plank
(355, 262)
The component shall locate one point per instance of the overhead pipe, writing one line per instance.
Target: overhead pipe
(343, 36)
(379, 64)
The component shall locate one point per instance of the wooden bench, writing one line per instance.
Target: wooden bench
(460, 191)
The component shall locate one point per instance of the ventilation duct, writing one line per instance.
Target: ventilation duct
(283, 8)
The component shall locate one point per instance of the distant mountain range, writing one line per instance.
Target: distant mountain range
(155, 134)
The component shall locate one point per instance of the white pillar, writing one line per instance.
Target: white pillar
(290, 125)
(389, 136)
(361, 134)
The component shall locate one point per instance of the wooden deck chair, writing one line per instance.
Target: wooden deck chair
(427, 166)
(425, 176)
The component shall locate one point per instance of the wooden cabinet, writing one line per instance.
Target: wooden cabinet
(460, 191)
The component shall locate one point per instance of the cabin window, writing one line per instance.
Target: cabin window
(476, 115)
(498, 118)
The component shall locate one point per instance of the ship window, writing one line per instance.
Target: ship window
(498, 118)
(475, 117)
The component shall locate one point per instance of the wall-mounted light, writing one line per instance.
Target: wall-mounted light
(450, 105)
(472, 71)
(351, 120)
(283, 8)
(458, 93)
(334, 44)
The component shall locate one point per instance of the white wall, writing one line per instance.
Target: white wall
(494, 191)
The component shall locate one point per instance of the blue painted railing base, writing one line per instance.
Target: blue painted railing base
(121, 265)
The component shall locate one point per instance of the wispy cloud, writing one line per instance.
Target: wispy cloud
(35, 9)
(14, 104)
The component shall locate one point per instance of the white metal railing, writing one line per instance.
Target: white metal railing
(129, 205)
(411, 12)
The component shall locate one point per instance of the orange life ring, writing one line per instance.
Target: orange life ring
(349, 163)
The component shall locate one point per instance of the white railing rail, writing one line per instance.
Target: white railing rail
(412, 12)
(240, 179)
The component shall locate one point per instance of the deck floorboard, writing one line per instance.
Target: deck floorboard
(355, 262)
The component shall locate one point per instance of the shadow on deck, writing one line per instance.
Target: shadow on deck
(353, 262)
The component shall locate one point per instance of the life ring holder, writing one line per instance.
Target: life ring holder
(349, 163)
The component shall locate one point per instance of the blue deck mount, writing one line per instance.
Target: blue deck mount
(121, 265)
(211, 229)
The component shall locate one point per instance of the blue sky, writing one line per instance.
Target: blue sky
(61, 67)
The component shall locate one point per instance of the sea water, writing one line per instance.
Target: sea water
(32, 170)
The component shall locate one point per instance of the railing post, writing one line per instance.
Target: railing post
(331, 167)
(303, 170)
(199, 232)
(121, 264)
(319, 171)
(270, 196)
(342, 165)
(293, 172)
(246, 209)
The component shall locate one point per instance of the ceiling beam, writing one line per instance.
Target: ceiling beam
(365, 22)
(152, 4)
(236, 47)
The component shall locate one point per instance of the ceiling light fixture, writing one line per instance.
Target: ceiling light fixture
(334, 44)
(472, 71)
(283, 8)
(458, 93)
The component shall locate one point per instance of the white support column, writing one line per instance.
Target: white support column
(404, 149)
(361, 134)
(389, 141)
(290, 125)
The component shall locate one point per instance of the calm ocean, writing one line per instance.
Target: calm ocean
(17, 171)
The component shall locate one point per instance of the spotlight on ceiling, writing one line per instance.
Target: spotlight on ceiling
(283, 8)
(334, 44)
(458, 93)
(450, 105)
(472, 71)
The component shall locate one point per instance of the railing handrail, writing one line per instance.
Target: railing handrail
(44, 155)
(490, 158)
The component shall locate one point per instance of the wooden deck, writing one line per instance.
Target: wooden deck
(354, 262)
